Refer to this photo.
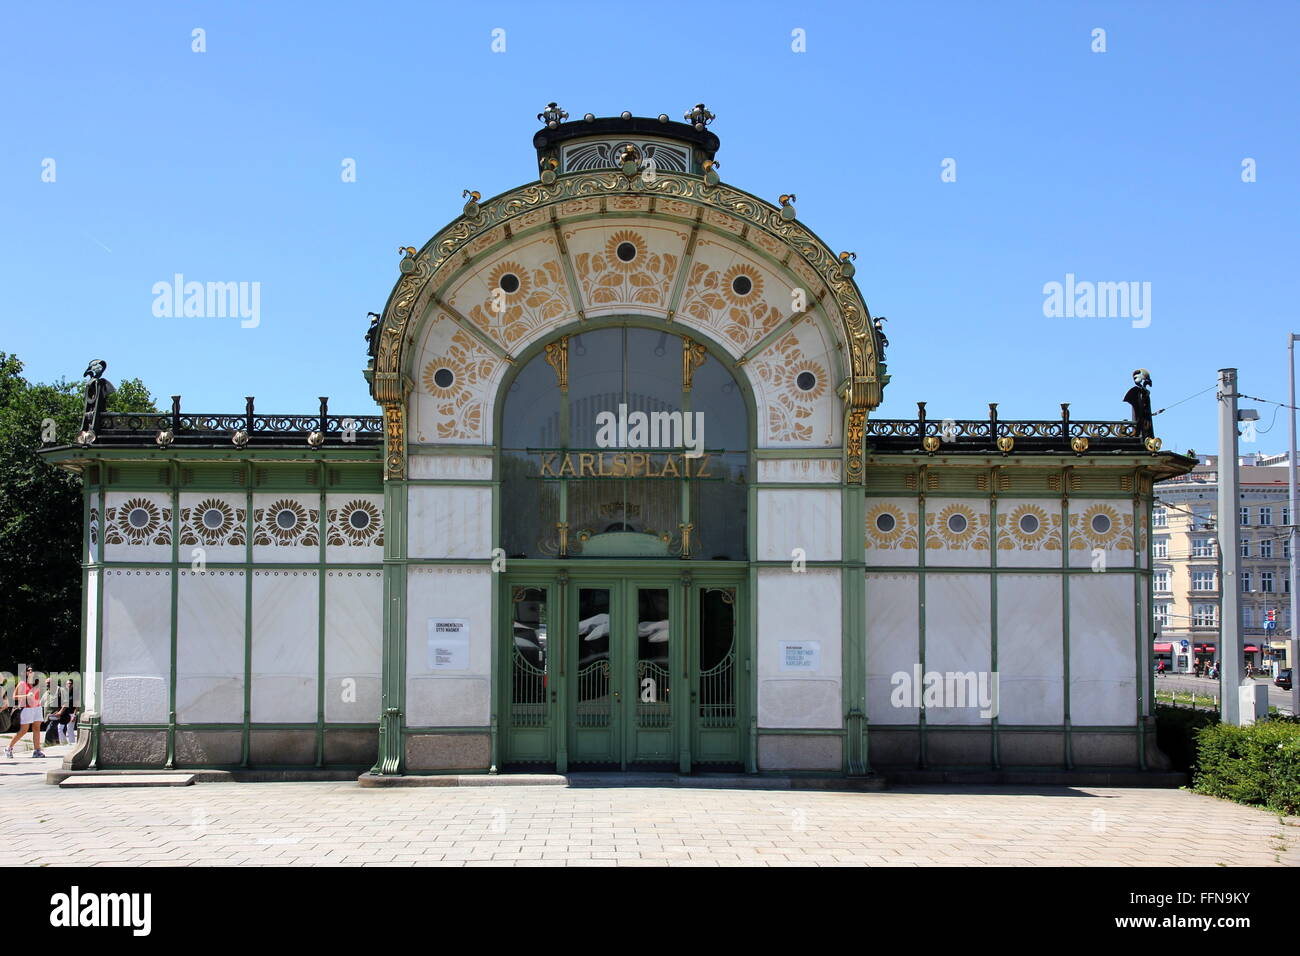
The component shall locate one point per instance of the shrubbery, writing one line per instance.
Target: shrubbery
(1258, 765)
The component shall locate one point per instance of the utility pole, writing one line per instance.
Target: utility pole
(1230, 647)
(1291, 535)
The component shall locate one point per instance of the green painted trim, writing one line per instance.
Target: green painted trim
(993, 604)
(322, 528)
(450, 450)
(392, 753)
(1002, 569)
(853, 670)
(802, 485)
(427, 730)
(818, 452)
(181, 454)
(983, 495)
(175, 614)
(803, 731)
(920, 591)
(248, 613)
(1065, 613)
(1138, 641)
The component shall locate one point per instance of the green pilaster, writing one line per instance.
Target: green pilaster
(1065, 613)
(250, 477)
(920, 596)
(175, 611)
(391, 748)
(1138, 581)
(853, 582)
(321, 529)
(993, 606)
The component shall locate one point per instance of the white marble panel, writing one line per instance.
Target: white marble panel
(137, 646)
(891, 532)
(957, 532)
(1101, 533)
(1029, 533)
(91, 688)
(137, 526)
(354, 645)
(286, 639)
(958, 637)
(893, 643)
(1031, 675)
(449, 522)
(799, 606)
(442, 697)
(799, 470)
(286, 528)
(793, 518)
(450, 467)
(354, 529)
(210, 647)
(1103, 668)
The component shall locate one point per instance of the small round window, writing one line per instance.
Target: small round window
(742, 285)
(1028, 524)
(138, 518)
(213, 519)
(359, 519)
(806, 381)
(1100, 523)
(444, 377)
(885, 522)
(509, 283)
(626, 252)
(286, 519)
(957, 523)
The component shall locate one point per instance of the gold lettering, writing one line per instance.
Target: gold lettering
(637, 459)
(703, 471)
(548, 464)
(620, 466)
(600, 465)
(586, 465)
(670, 462)
(567, 463)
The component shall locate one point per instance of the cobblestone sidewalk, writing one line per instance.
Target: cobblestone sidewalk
(341, 824)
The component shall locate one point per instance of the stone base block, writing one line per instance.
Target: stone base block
(133, 748)
(1019, 748)
(800, 752)
(282, 748)
(1103, 750)
(959, 748)
(209, 748)
(426, 752)
(893, 747)
(351, 748)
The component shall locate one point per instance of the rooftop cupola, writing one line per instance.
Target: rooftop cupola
(567, 146)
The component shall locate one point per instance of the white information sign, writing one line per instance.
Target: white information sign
(801, 655)
(448, 644)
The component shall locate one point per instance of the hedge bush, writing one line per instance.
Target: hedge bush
(1176, 729)
(1257, 765)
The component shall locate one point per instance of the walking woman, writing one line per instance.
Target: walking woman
(27, 695)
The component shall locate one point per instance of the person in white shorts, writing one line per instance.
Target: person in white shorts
(27, 695)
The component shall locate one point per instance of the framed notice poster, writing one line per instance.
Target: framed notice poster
(448, 644)
(800, 655)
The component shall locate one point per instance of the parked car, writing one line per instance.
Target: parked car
(1283, 679)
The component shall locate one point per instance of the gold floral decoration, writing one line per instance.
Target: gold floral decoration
(972, 533)
(287, 523)
(1044, 536)
(1101, 526)
(890, 528)
(212, 522)
(468, 366)
(359, 523)
(138, 521)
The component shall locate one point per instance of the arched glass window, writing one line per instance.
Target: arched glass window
(642, 452)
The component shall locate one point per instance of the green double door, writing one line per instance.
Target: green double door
(611, 673)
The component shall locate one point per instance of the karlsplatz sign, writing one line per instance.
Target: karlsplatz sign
(624, 464)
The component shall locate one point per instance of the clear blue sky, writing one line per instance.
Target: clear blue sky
(225, 165)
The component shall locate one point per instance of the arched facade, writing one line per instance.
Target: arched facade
(626, 505)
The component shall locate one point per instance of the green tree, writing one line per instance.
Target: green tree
(40, 519)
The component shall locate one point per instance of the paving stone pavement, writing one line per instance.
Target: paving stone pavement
(340, 824)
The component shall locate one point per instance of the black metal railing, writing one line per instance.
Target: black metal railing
(981, 436)
(249, 428)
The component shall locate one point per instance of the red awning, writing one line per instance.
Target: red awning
(1208, 648)
(1251, 649)
(1164, 648)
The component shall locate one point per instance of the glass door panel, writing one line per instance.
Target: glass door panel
(529, 730)
(653, 722)
(596, 690)
(717, 724)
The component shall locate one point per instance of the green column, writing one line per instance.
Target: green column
(391, 748)
(853, 582)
